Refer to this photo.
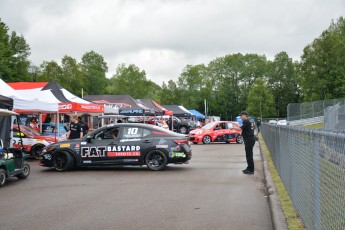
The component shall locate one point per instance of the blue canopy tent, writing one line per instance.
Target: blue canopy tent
(196, 113)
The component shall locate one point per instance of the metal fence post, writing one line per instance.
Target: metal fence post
(316, 181)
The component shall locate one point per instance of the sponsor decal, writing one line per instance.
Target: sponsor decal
(77, 145)
(132, 111)
(123, 151)
(47, 157)
(65, 106)
(123, 154)
(176, 148)
(162, 146)
(162, 141)
(177, 154)
(127, 140)
(93, 151)
(123, 148)
(66, 145)
(91, 107)
(87, 162)
(39, 140)
(113, 104)
(83, 143)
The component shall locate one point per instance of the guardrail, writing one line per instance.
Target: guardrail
(307, 121)
(311, 164)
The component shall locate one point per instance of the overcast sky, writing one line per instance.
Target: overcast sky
(163, 36)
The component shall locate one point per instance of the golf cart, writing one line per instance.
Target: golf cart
(12, 161)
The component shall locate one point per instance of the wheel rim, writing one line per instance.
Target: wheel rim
(207, 139)
(2, 178)
(183, 130)
(26, 170)
(240, 139)
(155, 159)
(36, 152)
(60, 161)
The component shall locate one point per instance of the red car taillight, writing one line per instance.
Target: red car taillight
(181, 141)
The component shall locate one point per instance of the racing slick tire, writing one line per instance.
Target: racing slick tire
(36, 150)
(206, 139)
(195, 143)
(183, 129)
(239, 139)
(63, 161)
(2, 177)
(156, 160)
(25, 173)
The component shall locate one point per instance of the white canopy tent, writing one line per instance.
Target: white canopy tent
(23, 104)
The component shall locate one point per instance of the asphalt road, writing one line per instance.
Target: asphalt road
(209, 193)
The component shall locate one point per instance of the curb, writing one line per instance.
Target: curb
(277, 214)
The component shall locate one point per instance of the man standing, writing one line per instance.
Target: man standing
(258, 124)
(249, 141)
(84, 126)
(75, 130)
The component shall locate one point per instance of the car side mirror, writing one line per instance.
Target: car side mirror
(88, 139)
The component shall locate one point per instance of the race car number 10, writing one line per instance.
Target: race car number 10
(132, 131)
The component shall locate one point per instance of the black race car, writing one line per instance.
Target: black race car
(119, 144)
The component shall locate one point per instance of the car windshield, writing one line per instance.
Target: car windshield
(208, 126)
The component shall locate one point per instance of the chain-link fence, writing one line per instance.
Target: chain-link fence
(311, 164)
(298, 111)
(335, 117)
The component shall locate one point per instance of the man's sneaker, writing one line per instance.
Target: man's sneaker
(246, 171)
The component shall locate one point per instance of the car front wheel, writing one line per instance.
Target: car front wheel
(156, 160)
(2, 177)
(63, 161)
(239, 139)
(25, 173)
(183, 130)
(36, 151)
(206, 139)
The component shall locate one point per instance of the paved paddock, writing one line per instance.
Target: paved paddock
(209, 193)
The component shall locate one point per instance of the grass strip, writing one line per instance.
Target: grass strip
(293, 220)
(315, 126)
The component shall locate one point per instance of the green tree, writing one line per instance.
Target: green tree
(5, 53)
(72, 75)
(283, 82)
(50, 71)
(260, 100)
(14, 53)
(323, 64)
(169, 94)
(20, 53)
(131, 80)
(191, 84)
(94, 70)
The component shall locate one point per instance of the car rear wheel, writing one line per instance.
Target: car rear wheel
(206, 139)
(156, 160)
(36, 151)
(63, 161)
(239, 139)
(25, 173)
(183, 130)
(2, 177)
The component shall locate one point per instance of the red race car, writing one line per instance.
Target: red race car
(219, 131)
(33, 141)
